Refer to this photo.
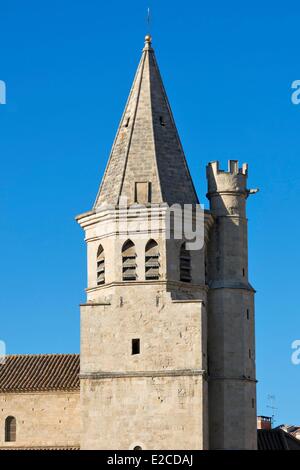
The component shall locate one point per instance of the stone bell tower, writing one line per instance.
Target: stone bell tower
(231, 340)
(144, 324)
(167, 332)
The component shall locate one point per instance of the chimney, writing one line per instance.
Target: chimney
(264, 422)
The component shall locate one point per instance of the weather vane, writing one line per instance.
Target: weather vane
(149, 19)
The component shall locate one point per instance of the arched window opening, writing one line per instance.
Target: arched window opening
(10, 429)
(152, 261)
(100, 266)
(129, 261)
(185, 264)
(137, 448)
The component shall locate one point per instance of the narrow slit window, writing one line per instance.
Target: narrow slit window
(250, 354)
(127, 122)
(135, 346)
(248, 314)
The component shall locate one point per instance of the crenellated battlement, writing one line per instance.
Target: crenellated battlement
(233, 180)
(233, 168)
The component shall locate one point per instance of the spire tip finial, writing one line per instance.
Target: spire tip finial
(148, 39)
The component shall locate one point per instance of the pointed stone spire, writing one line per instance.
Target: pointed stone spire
(147, 162)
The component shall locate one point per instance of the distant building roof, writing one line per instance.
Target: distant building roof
(289, 428)
(276, 439)
(41, 372)
(296, 433)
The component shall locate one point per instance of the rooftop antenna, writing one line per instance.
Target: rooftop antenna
(271, 400)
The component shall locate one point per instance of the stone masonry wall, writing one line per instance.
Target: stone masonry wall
(43, 419)
(150, 412)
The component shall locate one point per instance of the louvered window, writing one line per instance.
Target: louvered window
(152, 261)
(185, 264)
(100, 266)
(129, 261)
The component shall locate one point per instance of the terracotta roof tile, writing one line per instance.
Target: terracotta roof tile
(41, 372)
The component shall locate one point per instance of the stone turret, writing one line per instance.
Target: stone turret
(231, 345)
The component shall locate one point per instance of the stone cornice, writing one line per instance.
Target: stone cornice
(230, 285)
(115, 215)
(109, 213)
(228, 192)
(243, 379)
(85, 214)
(95, 304)
(150, 373)
(183, 286)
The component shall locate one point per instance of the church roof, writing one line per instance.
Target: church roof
(41, 372)
(147, 147)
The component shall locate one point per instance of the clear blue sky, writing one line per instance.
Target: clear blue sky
(68, 65)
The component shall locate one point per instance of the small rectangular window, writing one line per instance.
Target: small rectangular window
(248, 314)
(135, 346)
(249, 353)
